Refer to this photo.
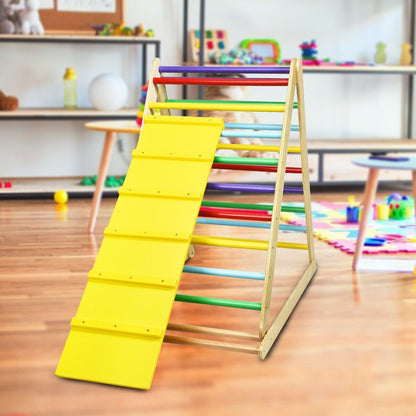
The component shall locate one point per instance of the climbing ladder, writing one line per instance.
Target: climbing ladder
(117, 333)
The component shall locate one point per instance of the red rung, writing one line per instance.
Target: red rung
(257, 168)
(265, 82)
(234, 215)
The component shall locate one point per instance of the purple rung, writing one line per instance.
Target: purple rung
(226, 69)
(242, 187)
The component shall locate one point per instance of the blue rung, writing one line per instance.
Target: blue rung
(254, 126)
(252, 134)
(223, 272)
(252, 224)
(233, 223)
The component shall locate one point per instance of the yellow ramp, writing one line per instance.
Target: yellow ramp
(117, 333)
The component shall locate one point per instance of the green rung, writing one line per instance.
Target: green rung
(241, 304)
(260, 207)
(246, 161)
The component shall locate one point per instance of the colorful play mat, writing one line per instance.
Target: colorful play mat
(329, 225)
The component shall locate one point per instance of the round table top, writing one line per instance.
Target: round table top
(409, 164)
(118, 126)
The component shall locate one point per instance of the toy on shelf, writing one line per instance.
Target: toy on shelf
(30, 20)
(406, 54)
(139, 119)
(380, 56)
(7, 184)
(110, 182)
(236, 57)
(8, 102)
(123, 316)
(309, 51)
(108, 92)
(215, 40)
(8, 18)
(119, 29)
(268, 49)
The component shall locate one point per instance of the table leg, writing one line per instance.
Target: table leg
(369, 194)
(105, 159)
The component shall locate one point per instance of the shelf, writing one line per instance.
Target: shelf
(336, 69)
(361, 145)
(80, 39)
(48, 186)
(67, 114)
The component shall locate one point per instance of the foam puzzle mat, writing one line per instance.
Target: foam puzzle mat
(329, 225)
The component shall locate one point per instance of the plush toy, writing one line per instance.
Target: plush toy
(7, 25)
(30, 20)
(8, 103)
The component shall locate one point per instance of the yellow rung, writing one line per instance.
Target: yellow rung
(292, 245)
(269, 108)
(260, 148)
(230, 242)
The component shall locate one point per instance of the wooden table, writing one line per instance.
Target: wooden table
(111, 128)
(374, 166)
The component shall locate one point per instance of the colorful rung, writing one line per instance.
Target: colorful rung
(242, 187)
(243, 205)
(256, 168)
(259, 126)
(246, 160)
(223, 272)
(259, 148)
(252, 134)
(219, 302)
(220, 106)
(249, 224)
(224, 69)
(265, 82)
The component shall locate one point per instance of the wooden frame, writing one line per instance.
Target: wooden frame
(268, 333)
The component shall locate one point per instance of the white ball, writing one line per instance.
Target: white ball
(107, 92)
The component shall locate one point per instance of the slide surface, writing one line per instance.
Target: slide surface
(117, 333)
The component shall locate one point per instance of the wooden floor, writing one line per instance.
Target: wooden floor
(348, 349)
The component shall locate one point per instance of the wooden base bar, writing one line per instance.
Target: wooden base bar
(213, 331)
(225, 346)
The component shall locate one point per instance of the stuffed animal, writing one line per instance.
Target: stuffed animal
(6, 23)
(8, 103)
(30, 20)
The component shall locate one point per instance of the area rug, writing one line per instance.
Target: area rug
(329, 225)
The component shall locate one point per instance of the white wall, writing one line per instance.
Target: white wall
(338, 106)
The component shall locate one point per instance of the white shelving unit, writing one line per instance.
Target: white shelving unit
(47, 185)
(330, 160)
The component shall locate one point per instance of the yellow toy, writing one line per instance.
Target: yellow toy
(123, 316)
(61, 197)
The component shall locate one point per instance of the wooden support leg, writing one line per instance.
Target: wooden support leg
(370, 191)
(105, 159)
